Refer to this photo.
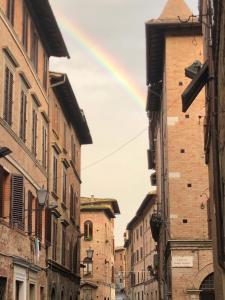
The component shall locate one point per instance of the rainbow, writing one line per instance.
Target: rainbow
(102, 57)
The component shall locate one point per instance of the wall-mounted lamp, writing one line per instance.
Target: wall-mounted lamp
(90, 253)
(42, 196)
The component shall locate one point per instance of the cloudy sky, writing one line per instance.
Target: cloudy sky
(106, 41)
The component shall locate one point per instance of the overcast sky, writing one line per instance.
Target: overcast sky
(114, 116)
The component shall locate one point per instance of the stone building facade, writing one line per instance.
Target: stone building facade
(29, 36)
(120, 273)
(68, 130)
(142, 272)
(25, 47)
(181, 226)
(212, 18)
(97, 227)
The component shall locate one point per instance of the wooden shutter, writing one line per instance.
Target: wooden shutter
(1, 190)
(10, 100)
(8, 96)
(10, 11)
(71, 203)
(34, 132)
(48, 226)
(63, 244)
(5, 114)
(38, 220)
(54, 242)
(25, 26)
(23, 109)
(29, 221)
(17, 201)
(44, 147)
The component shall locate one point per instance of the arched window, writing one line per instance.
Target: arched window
(62, 295)
(207, 288)
(88, 231)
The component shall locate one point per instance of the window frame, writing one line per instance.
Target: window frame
(88, 234)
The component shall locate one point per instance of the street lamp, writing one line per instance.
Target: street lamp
(42, 196)
(4, 151)
(90, 253)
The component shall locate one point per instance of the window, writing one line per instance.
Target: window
(32, 292)
(71, 203)
(42, 292)
(10, 11)
(25, 27)
(65, 137)
(45, 72)
(23, 113)
(113, 277)
(88, 231)
(73, 151)
(87, 294)
(76, 251)
(17, 201)
(137, 233)
(4, 196)
(63, 249)
(55, 172)
(141, 231)
(64, 185)
(30, 213)
(34, 132)
(19, 290)
(34, 47)
(88, 267)
(44, 147)
(38, 220)
(8, 96)
(54, 239)
(3, 282)
(137, 255)
(141, 252)
(56, 119)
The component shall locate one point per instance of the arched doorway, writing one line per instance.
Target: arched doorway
(207, 288)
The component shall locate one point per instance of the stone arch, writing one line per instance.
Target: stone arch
(201, 275)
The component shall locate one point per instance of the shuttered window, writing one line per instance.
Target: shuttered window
(72, 150)
(34, 47)
(34, 132)
(54, 239)
(45, 72)
(23, 115)
(64, 137)
(55, 173)
(30, 213)
(38, 220)
(63, 249)
(44, 147)
(1, 190)
(64, 185)
(25, 27)
(10, 11)
(71, 202)
(8, 96)
(17, 201)
(48, 226)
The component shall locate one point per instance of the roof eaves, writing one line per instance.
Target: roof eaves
(48, 28)
(69, 102)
